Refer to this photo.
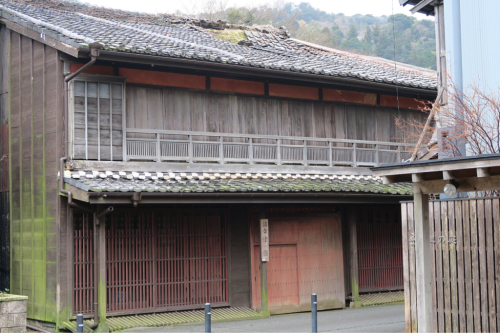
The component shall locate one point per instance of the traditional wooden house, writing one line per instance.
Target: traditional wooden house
(174, 148)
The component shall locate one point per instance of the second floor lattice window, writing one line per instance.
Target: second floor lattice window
(98, 120)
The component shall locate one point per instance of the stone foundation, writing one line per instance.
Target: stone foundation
(13, 313)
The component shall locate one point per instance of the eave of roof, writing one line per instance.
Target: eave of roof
(444, 161)
(265, 72)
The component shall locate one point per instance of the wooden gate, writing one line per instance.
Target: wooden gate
(156, 261)
(305, 257)
(465, 260)
(380, 255)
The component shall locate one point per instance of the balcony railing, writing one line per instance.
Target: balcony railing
(198, 147)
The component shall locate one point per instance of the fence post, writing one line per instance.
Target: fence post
(158, 149)
(190, 149)
(278, 152)
(79, 323)
(314, 313)
(354, 158)
(250, 150)
(208, 318)
(330, 153)
(377, 160)
(305, 152)
(221, 149)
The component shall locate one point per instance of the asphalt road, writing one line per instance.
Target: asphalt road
(389, 318)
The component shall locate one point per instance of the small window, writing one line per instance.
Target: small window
(97, 120)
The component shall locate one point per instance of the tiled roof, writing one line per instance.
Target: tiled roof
(108, 181)
(185, 40)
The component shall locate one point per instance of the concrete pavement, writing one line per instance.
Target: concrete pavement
(388, 318)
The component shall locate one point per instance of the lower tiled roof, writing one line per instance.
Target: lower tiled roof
(109, 181)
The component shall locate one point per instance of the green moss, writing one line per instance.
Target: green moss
(229, 35)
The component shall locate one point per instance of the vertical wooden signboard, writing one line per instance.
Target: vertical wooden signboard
(264, 240)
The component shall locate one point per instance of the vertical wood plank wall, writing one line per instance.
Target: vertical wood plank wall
(465, 248)
(37, 143)
(170, 109)
(4, 161)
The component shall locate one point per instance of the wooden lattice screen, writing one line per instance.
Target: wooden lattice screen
(465, 261)
(155, 260)
(380, 256)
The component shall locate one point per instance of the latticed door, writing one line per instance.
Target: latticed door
(156, 260)
(380, 246)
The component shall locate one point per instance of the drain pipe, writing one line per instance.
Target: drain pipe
(95, 50)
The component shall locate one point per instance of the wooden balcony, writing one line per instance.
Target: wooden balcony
(224, 148)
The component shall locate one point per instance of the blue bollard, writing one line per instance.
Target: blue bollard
(79, 323)
(208, 318)
(314, 313)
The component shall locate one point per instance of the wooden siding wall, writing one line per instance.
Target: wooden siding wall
(239, 263)
(4, 161)
(465, 257)
(171, 109)
(36, 146)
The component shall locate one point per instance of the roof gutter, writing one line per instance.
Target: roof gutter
(262, 72)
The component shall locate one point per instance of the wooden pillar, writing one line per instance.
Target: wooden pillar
(263, 263)
(353, 254)
(100, 266)
(423, 261)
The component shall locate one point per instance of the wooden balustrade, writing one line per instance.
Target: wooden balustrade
(193, 147)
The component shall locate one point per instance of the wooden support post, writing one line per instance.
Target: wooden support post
(423, 260)
(101, 273)
(353, 254)
(263, 263)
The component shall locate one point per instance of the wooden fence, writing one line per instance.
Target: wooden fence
(465, 250)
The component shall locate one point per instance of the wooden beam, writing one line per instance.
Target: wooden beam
(63, 47)
(417, 177)
(420, 6)
(353, 254)
(78, 194)
(423, 260)
(447, 175)
(436, 167)
(482, 172)
(466, 184)
(102, 286)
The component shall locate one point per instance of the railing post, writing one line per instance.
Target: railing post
(314, 313)
(221, 149)
(208, 318)
(305, 153)
(79, 323)
(330, 153)
(376, 156)
(354, 158)
(399, 154)
(158, 149)
(190, 149)
(250, 150)
(278, 152)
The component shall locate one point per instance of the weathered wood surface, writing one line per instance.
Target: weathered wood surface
(466, 271)
(37, 143)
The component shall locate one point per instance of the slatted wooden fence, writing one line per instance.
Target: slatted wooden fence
(465, 249)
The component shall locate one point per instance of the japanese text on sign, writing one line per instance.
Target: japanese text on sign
(264, 239)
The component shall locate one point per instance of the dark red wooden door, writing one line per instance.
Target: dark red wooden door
(380, 249)
(155, 260)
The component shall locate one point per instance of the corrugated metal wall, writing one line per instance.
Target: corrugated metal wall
(479, 32)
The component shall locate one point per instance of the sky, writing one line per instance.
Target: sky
(347, 7)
